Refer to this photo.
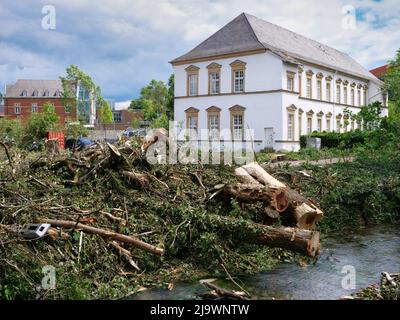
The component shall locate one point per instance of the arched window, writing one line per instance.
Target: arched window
(24, 93)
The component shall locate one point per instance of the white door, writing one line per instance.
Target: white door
(269, 138)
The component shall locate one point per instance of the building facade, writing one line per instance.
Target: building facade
(254, 75)
(26, 97)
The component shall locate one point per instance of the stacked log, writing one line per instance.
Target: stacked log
(254, 185)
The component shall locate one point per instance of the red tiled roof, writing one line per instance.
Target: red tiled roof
(380, 71)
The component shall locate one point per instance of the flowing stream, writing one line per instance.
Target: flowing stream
(370, 251)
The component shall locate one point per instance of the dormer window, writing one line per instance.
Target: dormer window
(35, 93)
(57, 93)
(46, 93)
(24, 93)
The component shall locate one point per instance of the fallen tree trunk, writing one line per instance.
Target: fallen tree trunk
(251, 193)
(258, 185)
(110, 235)
(301, 212)
(244, 177)
(258, 173)
(303, 241)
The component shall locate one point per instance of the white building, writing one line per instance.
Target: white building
(252, 74)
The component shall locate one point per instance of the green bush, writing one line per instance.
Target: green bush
(75, 130)
(10, 130)
(346, 140)
(40, 123)
(303, 142)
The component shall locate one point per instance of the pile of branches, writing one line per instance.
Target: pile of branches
(387, 289)
(109, 208)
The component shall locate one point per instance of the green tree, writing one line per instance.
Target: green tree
(156, 100)
(171, 96)
(136, 104)
(149, 110)
(157, 92)
(347, 115)
(74, 78)
(392, 84)
(10, 130)
(370, 115)
(160, 122)
(40, 123)
(105, 116)
(135, 123)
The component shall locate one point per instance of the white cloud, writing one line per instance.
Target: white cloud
(126, 43)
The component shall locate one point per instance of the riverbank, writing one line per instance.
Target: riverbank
(171, 215)
(317, 280)
(387, 289)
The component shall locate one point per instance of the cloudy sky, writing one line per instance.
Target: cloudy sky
(123, 44)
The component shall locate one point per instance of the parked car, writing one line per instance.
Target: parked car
(79, 143)
(130, 132)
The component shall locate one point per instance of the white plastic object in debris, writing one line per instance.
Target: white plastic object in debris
(33, 231)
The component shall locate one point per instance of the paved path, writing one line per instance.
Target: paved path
(322, 162)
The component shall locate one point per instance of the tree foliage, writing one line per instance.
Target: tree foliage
(392, 86)
(392, 80)
(10, 130)
(40, 123)
(74, 78)
(156, 101)
(106, 115)
(171, 95)
(75, 130)
(370, 115)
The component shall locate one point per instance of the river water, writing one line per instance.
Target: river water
(368, 252)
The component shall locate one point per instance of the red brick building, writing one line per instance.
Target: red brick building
(28, 96)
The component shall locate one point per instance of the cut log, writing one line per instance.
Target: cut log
(244, 177)
(110, 235)
(153, 136)
(275, 199)
(139, 179)
(113, 151)
(306, 216)
(258, 173)
(304, 241)
(302, 212)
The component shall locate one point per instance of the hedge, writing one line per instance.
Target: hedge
(345, 140)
